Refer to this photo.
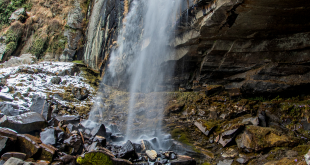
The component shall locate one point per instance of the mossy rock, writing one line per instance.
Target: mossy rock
(94, 158)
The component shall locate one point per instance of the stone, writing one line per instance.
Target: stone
(73, 37)
(24, 123)
(8, 133)
(225, 162)
(67, 119)
(99, 130)
(2, 50)
(242, 160)
(6, 97)
(101, 140)
(229, 135)
(75, 17)
(262, 119)
(251, 121)
(116, 137)
(9, 109)
(48, 136)
(28, 145)
(251, 139)
(204, 129)
(14, 161)
(183, 160)
(146, 145)
(127, 151)
(80, 93)
(56, 80)
(47, 152)
(67, 55)
(6, 144)
(74, 142)
(41, 106)
(68, 159)
(18, 14)
(101, 157)
(152, 154)
(230, 153)
(18, 155)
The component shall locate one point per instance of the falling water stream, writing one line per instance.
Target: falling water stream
(143, 43)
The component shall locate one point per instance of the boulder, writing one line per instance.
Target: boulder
(183, 160)
(56, 80)
(99, 130)
(127, 151)
(48, 136)
(229, 135)
(74, 143)
(67, 119)
(146, 145)
(28, 145)
(152, 154)
(41, 106)
(19, 14)
(18, 155)
(6, 144)
(80, 93)
(14, 161)
(9, 109)
(8, 133)
(255, 138)
(24, 123)
(47, 152)
(205, 130)
(101, 157)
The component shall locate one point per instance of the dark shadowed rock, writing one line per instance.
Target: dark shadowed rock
(18, 155)
(67, 119)
(183, 160)
(101, 140)
(80, 93)
(47, 152)
(203, 129)
(74, 144)
(56, 80)
(68, 159)
(28, 145)
(6, 144)
(24, 123)
(41, 106)
(229, 135)
(48, 136)
(127, 151)
(116, 137)
(99, 130)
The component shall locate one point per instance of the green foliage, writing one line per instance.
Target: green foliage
(57, 45)
(11, 41)
(94, 158)
(10, 47)
(7, 7)
(37, 47)
(78, 62)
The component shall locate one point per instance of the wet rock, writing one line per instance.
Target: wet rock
(93, 147)
(6, 144)
(28, 145)
(73, 37)
(114, 128)
(67, 119)
(14, 161)
(183, 160)
(68, 159)
(56, 80)
(225, 162)
(80, 93)
(242, 160)
(101, 157)
(41, 106)
(256, 138)
(137, 147)
(101, 140)
(9, 109)
(229, 135)
(99, 130)
(24, 123)
(67, 55)
(230, 153)
(204, 129)
(184, 149)
(18, 155)
(152, 154)
(154, 143)
(262, 119)
(172, 156)
(74, 143)
(146, 145)
(128, 151)
(48, 136)
(47, 152)
(116, 137)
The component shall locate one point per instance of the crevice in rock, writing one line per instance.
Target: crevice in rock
(232, 16)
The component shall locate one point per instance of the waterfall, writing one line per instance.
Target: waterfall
(142, 47)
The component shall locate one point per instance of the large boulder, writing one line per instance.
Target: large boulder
(24, 123)
(48, 136)
(127, 151)
(255, 138)
(41, 106)
(28, 145)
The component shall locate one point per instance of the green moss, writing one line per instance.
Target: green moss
(206, 163)
(302, 149)
(57, 45)
(38, 47)
(78, 62)
(94, 158)
(11, 47)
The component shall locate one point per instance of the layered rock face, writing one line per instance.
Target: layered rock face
(258, 47)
